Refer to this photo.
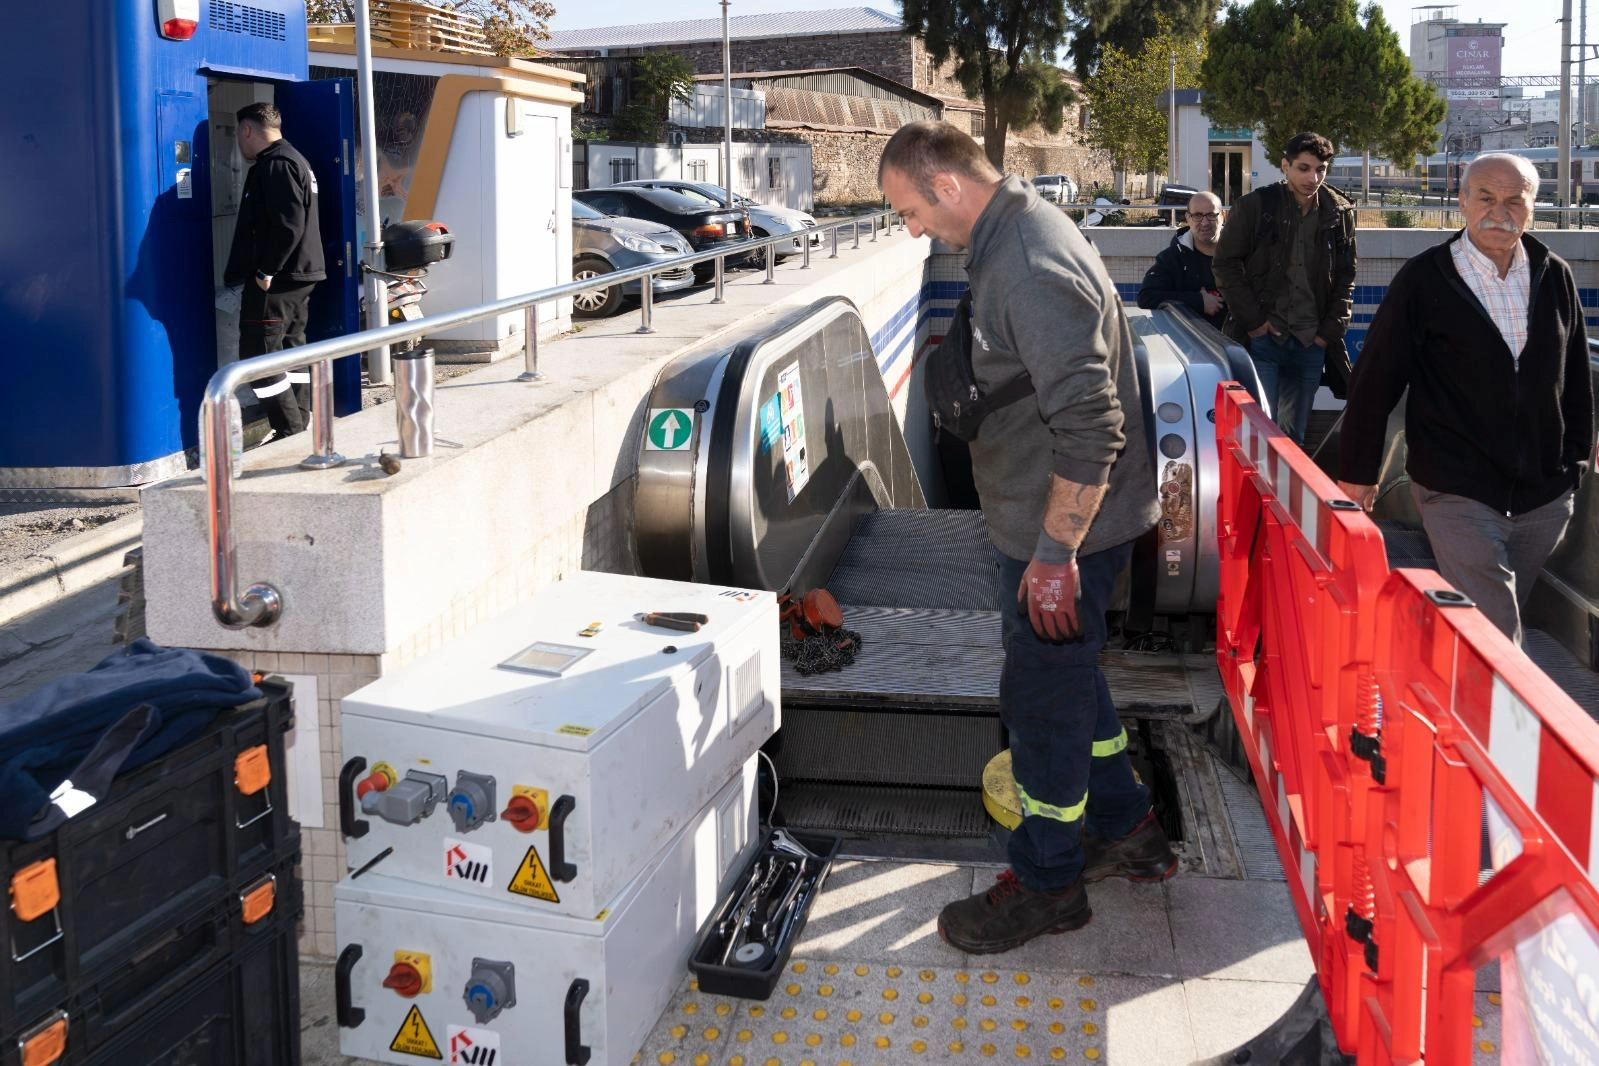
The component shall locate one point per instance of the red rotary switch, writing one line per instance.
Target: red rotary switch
(522, 812)
(404, 979)
(378, 780)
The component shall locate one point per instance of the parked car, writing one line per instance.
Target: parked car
(1174, 196)
(706, 228)
(604, 243)
(765, 219)
(1056, 188)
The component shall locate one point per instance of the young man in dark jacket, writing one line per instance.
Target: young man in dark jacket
(1182, 273)
(1487, 333)
(1067, 485)
(1286, 266)
(276, 256)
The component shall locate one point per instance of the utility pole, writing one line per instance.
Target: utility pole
(1582, 79)
(1171, 127)
(1563, 172)
(727, 108)
(377, 294)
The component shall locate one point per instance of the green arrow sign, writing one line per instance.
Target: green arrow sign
(669, 429)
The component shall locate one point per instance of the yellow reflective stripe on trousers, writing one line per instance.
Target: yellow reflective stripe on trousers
(1117, 743)
(1032, 807)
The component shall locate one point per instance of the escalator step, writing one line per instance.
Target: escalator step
(892, 811)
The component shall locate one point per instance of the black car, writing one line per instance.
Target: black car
(707, 228)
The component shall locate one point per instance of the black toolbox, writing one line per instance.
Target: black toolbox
(729, 963)
(221, 987)
(172, 842)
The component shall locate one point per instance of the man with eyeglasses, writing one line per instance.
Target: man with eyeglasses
(1181, 273)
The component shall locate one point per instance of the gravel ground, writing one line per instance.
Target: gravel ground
(28, 529)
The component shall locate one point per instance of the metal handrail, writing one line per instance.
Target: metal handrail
(260, 604)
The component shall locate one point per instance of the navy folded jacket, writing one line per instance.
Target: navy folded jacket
(72, 736)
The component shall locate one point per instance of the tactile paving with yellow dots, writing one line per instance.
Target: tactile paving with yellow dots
(832, 1013)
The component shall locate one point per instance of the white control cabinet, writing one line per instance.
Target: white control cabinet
(544, 758)
(430, 974)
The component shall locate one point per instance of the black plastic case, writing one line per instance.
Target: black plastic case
(757, 980)
(172, 843)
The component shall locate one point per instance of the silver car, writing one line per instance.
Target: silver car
(604, 243)
(765, 220)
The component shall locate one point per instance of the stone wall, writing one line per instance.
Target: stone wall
(845, 166)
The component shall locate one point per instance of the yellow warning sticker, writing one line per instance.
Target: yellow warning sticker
(531, 880)
(575, 730)
(414, 1037)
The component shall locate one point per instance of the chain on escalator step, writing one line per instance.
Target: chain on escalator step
(813, 635)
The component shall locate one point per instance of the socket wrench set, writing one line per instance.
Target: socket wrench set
(745, 943)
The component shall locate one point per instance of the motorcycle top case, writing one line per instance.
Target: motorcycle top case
(412, 245)
(543, 758)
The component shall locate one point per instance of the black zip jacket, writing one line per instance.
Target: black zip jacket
(278, 231)
(1179, 275)
(1476, 425)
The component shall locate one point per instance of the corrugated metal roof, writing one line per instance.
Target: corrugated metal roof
(739, 28)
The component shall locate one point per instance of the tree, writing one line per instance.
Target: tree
(658, 79)
(1127, 118)
(1127, 24)
(510, 27)
(1292, 65)
(1003, 51)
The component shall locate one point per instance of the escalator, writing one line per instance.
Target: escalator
(796, 475)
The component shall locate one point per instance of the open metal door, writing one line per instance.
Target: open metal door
(319, 120)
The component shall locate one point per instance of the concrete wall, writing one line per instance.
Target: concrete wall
(530, 482)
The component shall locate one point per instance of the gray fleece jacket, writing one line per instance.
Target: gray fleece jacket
(1042, 301)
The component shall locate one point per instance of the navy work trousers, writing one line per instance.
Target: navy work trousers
(1068, 747)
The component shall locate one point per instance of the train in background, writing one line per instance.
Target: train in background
(1442, 172)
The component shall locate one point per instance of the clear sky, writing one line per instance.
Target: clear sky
(1532, 38)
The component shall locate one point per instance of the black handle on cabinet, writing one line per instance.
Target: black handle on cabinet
(576, 1053)
(349, 824)
(560, 869)
(348, 1014)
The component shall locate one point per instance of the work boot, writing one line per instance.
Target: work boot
(1010, 914)
(1142, 855)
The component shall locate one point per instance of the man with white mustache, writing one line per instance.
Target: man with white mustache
(1487, 333)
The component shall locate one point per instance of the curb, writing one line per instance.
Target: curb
(69, 566)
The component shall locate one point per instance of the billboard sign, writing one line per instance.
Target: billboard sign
(1473, 71)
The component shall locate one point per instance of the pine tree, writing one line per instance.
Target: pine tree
(1003, 53)
(1292, 65)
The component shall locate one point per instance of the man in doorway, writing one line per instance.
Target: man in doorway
(276, 256)
(1067, 485)
(1182, 273)
(1487, 333)
(1286, 267)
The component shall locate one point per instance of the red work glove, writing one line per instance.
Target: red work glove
(1050, 594)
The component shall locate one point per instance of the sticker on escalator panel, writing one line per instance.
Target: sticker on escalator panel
(669, 429)
(771, 422)
(474, 1047)
(414, 1037)
(575, 730)
(531, 880)
(791, 402)
(473, 863)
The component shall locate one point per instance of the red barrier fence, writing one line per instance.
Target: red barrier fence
(1388, 727)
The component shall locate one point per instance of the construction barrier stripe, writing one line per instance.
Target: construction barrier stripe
(1117, 743)
(1032, 807)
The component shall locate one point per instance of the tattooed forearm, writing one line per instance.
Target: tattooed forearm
(1071, 510)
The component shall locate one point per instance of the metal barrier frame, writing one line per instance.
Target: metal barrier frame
(260, 603)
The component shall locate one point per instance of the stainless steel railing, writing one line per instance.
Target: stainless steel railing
(261, 604)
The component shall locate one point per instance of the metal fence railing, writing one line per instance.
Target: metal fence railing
(260, 604)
